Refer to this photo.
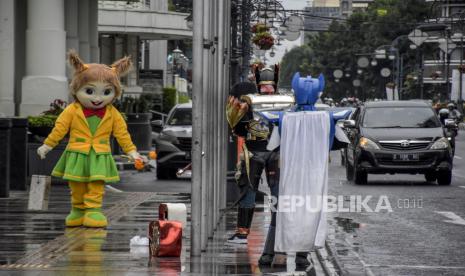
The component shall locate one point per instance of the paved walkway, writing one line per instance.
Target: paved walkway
(37, 243)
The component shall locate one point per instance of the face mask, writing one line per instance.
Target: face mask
(95, 95)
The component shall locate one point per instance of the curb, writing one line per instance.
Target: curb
(329, 262)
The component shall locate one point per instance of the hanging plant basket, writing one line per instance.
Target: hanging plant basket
(259, 28)
(263, 40)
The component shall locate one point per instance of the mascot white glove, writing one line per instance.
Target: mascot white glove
(135, 155)
(43, 150)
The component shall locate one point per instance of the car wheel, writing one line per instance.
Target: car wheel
(444, 177)
(430, 177)
(349, 171)
(360, 177)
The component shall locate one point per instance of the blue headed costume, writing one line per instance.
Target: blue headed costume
(307, 91)
(304, 165)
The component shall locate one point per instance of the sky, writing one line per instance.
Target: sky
(280, 50)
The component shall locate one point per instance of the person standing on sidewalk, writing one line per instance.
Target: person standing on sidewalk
(254, 157)
(87, 162)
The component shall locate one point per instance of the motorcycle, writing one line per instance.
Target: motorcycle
(451, 128)
(450, 124)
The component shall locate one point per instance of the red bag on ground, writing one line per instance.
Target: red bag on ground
(165, 238)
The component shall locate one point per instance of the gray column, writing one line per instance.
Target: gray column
(107, 49)
(197, 107)
(226, 88)
(7, 57)
(220, 180)
(133, 51)
(93, 31)
(45, 78)
(71, 27)
(158, 52)
(84, 46)
(205, 127)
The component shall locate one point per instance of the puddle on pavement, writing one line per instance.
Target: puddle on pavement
(347, 224)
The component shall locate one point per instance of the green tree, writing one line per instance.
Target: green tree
(299, 59)
(362, 33)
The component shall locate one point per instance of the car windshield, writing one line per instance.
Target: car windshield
(181, 117)
(400, 117)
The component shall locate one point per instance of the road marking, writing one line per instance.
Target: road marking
(462, 187)
(368, 271)
(419, 267)
(458, 157)
(453, 218)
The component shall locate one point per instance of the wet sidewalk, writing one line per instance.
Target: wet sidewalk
(37, 243)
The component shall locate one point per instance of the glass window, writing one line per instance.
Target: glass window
(181, 117)
(400, 117)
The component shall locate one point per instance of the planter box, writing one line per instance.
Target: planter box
(140, 129)
(43, 167)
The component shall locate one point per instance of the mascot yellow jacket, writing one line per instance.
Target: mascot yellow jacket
(81, 140)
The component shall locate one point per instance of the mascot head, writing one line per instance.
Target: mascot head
(307, 90)
(96, 85)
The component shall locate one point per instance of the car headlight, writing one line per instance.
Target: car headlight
(442, 143)
(367, 144)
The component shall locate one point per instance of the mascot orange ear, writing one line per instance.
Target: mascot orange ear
(75, 61)
(122, 66)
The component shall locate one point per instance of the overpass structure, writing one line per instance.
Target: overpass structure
(147, 24)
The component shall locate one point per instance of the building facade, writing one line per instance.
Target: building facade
(35, 36)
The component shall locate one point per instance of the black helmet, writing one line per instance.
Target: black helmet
(243, 88)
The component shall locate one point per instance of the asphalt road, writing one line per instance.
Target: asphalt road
(422, 233)
(419, 228)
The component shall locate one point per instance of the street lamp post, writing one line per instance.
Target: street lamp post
(177, 54)
(461, 75)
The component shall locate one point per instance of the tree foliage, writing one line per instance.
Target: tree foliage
(360, 34)
(298, 59)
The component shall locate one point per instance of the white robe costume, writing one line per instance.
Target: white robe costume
(303, 183)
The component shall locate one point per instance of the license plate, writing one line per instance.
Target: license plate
(406, 157)
(188, 155)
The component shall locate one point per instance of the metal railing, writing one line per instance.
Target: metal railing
(161, 114)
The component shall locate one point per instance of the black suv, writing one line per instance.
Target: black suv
(397, 137)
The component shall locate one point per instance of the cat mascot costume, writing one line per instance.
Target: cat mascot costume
(87, 163)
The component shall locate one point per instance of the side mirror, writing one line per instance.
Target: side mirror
(157, 125)
(348, 124)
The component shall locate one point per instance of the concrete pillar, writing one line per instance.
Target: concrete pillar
(84, 46)
(45, 78)
(93, 31)
(133, 51)
(107, 54)
(119, 47)
(7, 57)
(158, 53)
(71, 27)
